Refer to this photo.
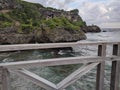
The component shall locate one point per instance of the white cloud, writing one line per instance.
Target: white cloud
(103, 9)
(110, 25)
(99, 13)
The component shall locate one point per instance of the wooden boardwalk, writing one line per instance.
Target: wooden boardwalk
(89, 62)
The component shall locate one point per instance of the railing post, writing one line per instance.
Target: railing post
(100, 68)
(0, 78)
(115, 70)
(5, 80)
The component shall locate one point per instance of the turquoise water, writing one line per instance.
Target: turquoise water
(57, 73)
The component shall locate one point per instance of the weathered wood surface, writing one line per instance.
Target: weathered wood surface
(48, 45)
(0, 78)
(60, 86)
(57, 61)
(115, 74)
(115, 70)
(5, 79)
(75, 75)
(37, 80)
(101, 68)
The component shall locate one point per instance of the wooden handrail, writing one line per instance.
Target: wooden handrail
(57, 61)
(49, 45)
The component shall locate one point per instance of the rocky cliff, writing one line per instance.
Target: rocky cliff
(24, 22)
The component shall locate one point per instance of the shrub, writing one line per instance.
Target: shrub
(50, 23)
(5, 17)
(5, 24)
(75, 11)
(27, 28)
(79, 23)
(25, 11)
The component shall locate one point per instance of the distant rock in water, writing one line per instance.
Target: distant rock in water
(104, 31)
(24, 22)
(93, 29)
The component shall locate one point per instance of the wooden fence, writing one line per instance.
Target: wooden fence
(89, 63)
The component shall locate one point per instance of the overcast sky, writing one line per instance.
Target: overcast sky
(105, 13)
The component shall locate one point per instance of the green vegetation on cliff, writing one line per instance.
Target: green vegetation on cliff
(31, 16)
(5, 20)
(62, 22)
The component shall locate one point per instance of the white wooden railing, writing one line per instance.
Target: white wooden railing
(89, 62)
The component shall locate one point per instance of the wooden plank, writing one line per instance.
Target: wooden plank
(37, 79)
(115, 70)
(115, 74)
(100, 76)
(48, 45)
(0, 78)
(100, 68)
(75, 75)
(56, 61)
(5, 79)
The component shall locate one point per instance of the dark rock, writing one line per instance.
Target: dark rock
(59, 35)
(104, 31)
(7, 4)
(10, 36)
(92, 28)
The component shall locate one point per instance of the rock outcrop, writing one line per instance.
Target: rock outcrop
(7, 4)
(59, 35)
(92, 29)
(10, 36)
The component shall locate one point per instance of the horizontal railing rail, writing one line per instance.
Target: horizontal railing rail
(58, 61)
(49, 45)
